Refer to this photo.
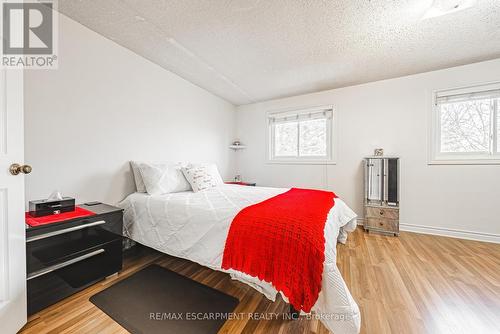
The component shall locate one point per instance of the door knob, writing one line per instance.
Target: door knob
(15, 169)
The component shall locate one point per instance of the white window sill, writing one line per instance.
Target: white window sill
(464, 162)
(301, 162)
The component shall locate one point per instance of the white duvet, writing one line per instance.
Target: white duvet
(194, 226)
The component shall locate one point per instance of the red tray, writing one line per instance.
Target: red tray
(44, 220)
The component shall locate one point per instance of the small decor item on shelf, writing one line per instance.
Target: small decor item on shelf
(237, 145)
(237, 178)
(378, 152)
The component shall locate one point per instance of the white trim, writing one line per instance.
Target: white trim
(447, 232)
(487, 87)
(452, 233)
(302, 109)
(301, 162)
(464, 162)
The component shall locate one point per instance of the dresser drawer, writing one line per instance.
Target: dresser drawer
(374, 212)
(389, 225)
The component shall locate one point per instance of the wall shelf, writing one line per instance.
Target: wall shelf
(237, 147)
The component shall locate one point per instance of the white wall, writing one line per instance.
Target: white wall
(104, 106)
(392, 114)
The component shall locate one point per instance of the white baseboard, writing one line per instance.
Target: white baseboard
(447, 232)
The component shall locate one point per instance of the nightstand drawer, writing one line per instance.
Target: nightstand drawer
(52, 283)
(389, 225)
(51, 250)
(374, 212)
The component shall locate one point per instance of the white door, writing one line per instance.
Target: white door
(12, 226)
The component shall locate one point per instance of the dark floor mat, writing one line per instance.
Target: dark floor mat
(157, 300)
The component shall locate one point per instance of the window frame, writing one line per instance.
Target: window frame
(436, 157)
(331, 134)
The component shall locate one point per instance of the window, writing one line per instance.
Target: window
(466, 125)
(303, 136)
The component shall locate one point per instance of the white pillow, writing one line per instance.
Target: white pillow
(211, 169)
(139, 183)
(199, 177)
(163, 178)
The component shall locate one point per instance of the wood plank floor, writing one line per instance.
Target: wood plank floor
(411, 284)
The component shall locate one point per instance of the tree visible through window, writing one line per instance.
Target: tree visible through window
(301, 135)
(498, 125)
(312, 138)
(285, 139)
(468, 124)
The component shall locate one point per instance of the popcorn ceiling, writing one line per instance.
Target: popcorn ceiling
(249, 50)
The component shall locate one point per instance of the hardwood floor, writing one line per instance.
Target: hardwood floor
(409, 284)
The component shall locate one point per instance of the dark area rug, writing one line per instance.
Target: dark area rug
(158, 300)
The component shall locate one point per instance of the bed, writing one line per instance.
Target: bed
(194, 226)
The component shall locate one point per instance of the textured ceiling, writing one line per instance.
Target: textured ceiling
(253, 50)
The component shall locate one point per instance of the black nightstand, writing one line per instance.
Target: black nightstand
(241, 183)
(65, 257)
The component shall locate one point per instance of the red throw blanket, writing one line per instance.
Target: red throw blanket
(281, 240)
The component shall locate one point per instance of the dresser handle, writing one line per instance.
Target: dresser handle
(66, 230)
(63, 264)
(381, 212)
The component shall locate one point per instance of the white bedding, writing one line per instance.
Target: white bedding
(194, 226)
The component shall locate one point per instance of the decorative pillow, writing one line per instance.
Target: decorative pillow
(211, 169)
(163, 178)
(139, 183)
(199, 177)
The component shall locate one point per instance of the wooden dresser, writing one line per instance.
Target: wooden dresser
(381, 196)
(382, 219)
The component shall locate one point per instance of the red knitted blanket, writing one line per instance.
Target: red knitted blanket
(281, 241)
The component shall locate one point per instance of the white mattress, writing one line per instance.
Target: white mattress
(194, 226)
